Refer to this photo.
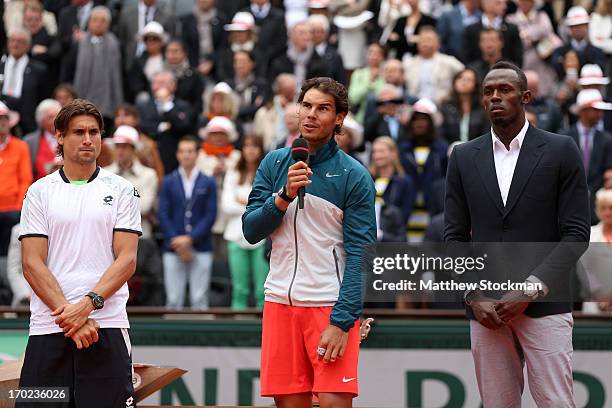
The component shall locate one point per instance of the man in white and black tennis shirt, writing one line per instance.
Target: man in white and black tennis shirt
(79, 236)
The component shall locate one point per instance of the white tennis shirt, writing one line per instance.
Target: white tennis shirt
(79, 221)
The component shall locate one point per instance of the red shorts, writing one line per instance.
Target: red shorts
(289, 362)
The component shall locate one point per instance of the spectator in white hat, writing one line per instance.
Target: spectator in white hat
(127, 165)
(215, 158)
(242, 35)
(350, 137)
(577, 21)
(221, 100)
(595, 145)
(424, 157)
(149, 63)
(592, 77)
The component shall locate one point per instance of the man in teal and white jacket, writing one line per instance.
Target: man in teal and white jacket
(313, 292)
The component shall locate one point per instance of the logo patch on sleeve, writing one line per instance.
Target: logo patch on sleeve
(136, 193)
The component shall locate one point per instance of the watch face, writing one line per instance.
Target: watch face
(98, 302)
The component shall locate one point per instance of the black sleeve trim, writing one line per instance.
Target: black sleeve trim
(33, 235)
(139, 233)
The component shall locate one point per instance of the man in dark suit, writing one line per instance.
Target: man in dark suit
(594, 143)
(577, 21)
(202, 48)
(166, 118)
(134, 18)
(23, 79)
(493, 17)
(452, 24)
(519, 184)
(319, 26)
(271, 35)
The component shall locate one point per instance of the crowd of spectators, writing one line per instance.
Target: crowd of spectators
(195, 93)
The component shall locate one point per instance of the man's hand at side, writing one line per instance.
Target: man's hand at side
(512, 304)
(333, 340)
(87, 334)
(72, 316)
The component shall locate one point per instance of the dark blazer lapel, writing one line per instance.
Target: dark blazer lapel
(486, 167)
(596, 155)
(531, 152)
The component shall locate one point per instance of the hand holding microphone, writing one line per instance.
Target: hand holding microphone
(298, 173)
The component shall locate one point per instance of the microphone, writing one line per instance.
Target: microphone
(299, 152)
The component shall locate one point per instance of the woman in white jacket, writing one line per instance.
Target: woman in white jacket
(245, 260)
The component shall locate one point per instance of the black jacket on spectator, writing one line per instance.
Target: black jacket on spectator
(137, 81)
(49, 58)
(433, 169)
(375, 125)
(590, 54)
(180, 121)
(189, 88)
(548, 113)
(513, 47)
(271, 39)
(401, 45)
(334, 64)
(316, 66)
(224, 64)
(450, 129)
(481, 67)
(599, 160)
(187, 30)
(258, 93)
(32, 92)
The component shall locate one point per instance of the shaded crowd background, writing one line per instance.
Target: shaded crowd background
(212, 86)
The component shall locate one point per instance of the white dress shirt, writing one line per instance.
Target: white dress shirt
(188, 182)
(13, 75)
(505, 164)
(505, 160)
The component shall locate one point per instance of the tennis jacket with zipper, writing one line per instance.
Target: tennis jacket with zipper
(317, 251)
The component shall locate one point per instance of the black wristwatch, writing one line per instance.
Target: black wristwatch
(282, 193)
(97, 300)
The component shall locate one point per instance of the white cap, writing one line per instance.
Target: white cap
(591, 74)
(126, 135)
(427, 107)
(154, 29)
(355, 129)
(590, 98)
(242, 21)
(220, 124)
(12, 115)
(318, 4)
(577, 15)
(222, 87)
(353, 22)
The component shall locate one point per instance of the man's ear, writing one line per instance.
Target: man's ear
(339, 120)
(59, 137)
(526, 97)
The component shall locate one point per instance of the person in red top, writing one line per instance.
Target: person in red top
(16, 176)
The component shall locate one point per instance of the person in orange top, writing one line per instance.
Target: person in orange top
(15, 174)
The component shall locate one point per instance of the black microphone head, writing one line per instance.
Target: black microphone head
(299, 149)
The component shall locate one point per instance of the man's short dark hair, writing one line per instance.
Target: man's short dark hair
(190, 138)
(487, 30)
(522, 79)
(330, 87)
(76, 108)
